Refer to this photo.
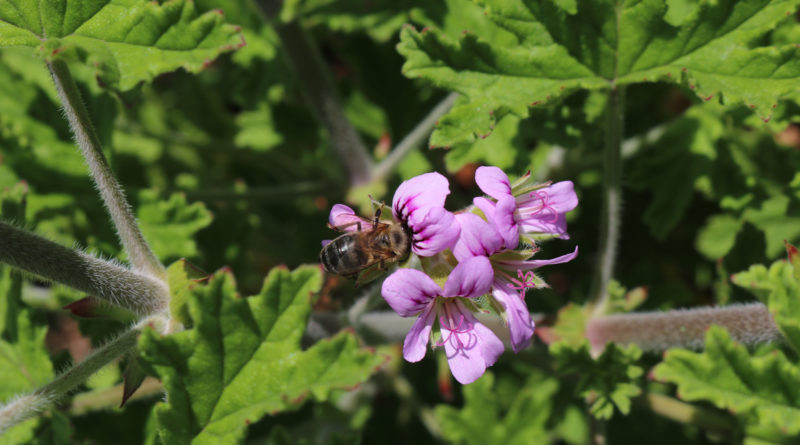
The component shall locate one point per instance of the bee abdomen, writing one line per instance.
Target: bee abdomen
(340, 256)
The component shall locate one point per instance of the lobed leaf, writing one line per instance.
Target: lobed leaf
(563, 47)
(760, 390)
(127, 41)
(608, 381)
(780, 291)
(170, 225)
(242, 358)
(488, 417)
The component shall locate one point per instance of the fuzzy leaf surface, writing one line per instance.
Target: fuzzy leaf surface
(127, 41)
(763, 391)
(780, 291)
(606, 43)
(242, 358)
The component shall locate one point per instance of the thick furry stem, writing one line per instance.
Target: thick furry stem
(116, 284)
(683, 328)
(29, 405)
(141, 256)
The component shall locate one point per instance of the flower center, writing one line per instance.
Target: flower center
(546, 206)
(457, 331)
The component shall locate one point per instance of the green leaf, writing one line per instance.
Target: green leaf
(780, 291)
(127, 41)
(718, 236)
(24, 365)
(498, 150)
(760, 390)
(603, 44)
(169, 226)
(492, 415)
(609, 381)
(257, 129)
(772, 218)
(242, 358)
(380, 18)
(182, 278)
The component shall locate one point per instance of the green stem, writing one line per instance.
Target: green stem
(141, 256)
(414, 138)
(31, 404)
(612, 198)
(134, 291)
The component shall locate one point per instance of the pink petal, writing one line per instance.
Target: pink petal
(477, 237)
(486, 206)
(535, 264)
(470, 278)
(520, 325)
(493, 182)
(543, 210)
(408, 291)
(325, 242)
(545, 223)
(560, 196)
(415, 345)
(434, 231)
(420, 192)
(503, 221)
(344, 219)
(470, 346)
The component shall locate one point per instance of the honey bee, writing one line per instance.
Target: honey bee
(368, 251)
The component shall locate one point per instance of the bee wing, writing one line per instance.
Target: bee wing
(351, 224)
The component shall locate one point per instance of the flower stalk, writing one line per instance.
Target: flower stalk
(414, 138)
(612, 198)
(142, 258)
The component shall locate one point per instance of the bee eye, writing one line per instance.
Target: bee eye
(397, 238)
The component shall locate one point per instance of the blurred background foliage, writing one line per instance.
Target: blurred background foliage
(229, 168)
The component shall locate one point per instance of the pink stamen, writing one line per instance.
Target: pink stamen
(526, 281)
(546, 206)
(463, 327)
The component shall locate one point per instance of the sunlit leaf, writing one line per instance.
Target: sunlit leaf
(127, 41)
(242, 358)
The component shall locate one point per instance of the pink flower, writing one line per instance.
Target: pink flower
(524, 210)
(470, 346)
(480, 239)
(418, 204)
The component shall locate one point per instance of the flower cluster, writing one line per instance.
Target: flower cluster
(477, 260)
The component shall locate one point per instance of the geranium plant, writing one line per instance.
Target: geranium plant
(143, 143)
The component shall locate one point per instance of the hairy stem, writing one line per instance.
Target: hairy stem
(686, 328)
(415, 137)
(31, 404)
(612, 198)
(141, 256)
(116, 284)
(320, 93)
